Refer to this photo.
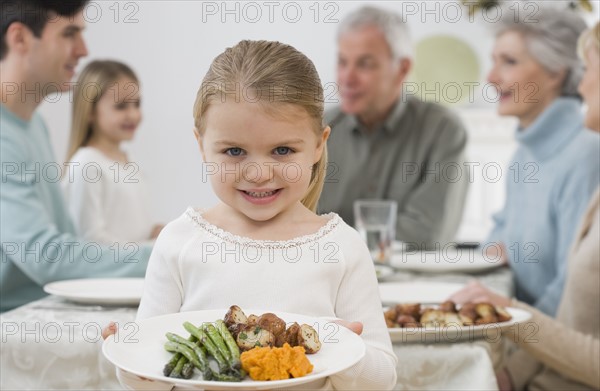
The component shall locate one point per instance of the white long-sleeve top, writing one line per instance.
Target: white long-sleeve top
(198, 266)
(107, 200)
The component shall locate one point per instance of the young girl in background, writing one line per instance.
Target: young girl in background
(106, 193)
(258, 121)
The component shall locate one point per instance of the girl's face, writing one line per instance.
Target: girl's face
(259, 164)
(589, 88)
(117, 114)
(525, 87)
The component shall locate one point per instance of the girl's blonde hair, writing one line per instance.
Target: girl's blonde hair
(589, 39)
(270, 74)
(94, 80)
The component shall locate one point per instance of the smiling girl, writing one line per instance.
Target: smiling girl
(105, 192)
(259, 125)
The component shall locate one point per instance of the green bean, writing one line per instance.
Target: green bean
(176, 373)
(171, 364)
(208, 344)
(186, 351)
(218, 340)
(188, 370)
(232, 346)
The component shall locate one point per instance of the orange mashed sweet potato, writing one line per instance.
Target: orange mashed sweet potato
(276, 363)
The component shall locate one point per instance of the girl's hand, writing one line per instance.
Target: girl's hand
(156, 230)
(475, 292)
(126, 377)
(355, 327)
(109, 330)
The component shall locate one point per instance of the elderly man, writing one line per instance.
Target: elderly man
(384, 145)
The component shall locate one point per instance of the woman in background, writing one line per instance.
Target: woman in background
(106, 193)
(563, 353)
(536, 71)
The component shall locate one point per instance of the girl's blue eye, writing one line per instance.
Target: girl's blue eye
(234, 151)
(282, 151)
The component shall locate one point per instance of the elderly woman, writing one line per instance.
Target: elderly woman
(563, 353)
(536, 71)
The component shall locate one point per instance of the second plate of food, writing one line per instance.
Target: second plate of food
(446, 323)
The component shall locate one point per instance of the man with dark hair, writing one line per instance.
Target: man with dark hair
(42, 43)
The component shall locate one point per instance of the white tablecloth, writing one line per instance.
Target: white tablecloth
(54, 344)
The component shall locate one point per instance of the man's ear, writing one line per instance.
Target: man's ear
(199, 140)
(18, 37)
(404, 68)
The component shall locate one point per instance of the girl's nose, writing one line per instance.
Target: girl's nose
(258, 171)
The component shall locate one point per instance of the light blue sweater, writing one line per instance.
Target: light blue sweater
(38, 241)
(550, 180)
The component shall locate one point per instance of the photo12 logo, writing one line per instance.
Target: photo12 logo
(269, 11)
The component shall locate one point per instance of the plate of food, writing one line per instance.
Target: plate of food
(447, 322)
(111, 291)
(447, 260)
(227, 349)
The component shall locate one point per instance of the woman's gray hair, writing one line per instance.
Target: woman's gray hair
(551, 37)
(391, 24)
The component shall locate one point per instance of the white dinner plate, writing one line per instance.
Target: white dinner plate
(445, 260)
(449, 334)
(140, 349)
(112, 291)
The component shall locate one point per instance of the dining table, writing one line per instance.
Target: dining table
(53, 343)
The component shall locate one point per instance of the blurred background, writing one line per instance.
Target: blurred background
(171, 46)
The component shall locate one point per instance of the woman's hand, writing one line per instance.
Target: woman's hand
(504, 381)
(355, 327)
(497, 251)
(475, 292)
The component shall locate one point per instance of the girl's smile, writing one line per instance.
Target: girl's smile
(261, 196)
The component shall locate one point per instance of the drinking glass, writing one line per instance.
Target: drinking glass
(375, 220)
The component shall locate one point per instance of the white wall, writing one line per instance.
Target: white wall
(170, 44)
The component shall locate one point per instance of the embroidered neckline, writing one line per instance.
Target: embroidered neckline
(196, 217)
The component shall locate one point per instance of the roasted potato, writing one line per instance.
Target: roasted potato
(448, 306)
(467, 311)
(235, 329)
(309, 339)
(407, 321)
(486, 312)
(252, 319)
(432, 318)
(413, 310)
(503, 315)
(252, 336)
(271, 322)
(290, 336)
(452, 318)
(235, 315)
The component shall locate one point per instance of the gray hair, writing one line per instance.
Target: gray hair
(391, 24)
(551, 37)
